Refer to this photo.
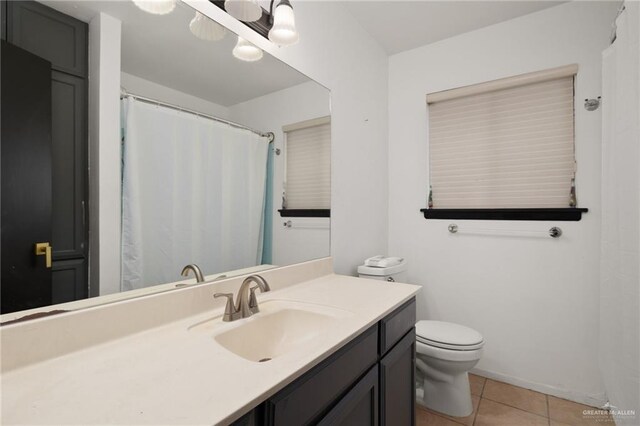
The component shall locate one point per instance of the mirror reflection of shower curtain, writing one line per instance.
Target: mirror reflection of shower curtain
(193, 191)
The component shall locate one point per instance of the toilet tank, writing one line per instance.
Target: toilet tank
(394, 273)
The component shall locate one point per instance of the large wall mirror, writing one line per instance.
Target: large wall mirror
(220, 162)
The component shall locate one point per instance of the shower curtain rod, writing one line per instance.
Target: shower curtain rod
(125, 94)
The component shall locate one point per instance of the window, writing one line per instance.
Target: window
(505, 144)
(307, 184)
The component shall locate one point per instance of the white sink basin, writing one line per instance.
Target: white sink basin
(280, 327)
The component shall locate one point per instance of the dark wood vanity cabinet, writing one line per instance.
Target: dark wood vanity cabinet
(397, 401)
(397, 366)
(359, 407)
(369, 382)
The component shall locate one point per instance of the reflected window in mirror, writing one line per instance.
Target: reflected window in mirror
(307, 184)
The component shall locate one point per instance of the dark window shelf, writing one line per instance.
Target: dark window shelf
(566, 214)
(305, 212)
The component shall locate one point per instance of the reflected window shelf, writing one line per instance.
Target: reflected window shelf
(561, 214)
(305, 212)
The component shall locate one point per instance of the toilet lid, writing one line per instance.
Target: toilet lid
(448, 335)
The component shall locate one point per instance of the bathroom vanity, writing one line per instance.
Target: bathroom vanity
(369, 381)
(324, 349)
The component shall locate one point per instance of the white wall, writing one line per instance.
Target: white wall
(268, 114)
(104, 155)
(620, 265)
(336, 52)
(143, 87)
(535, 300)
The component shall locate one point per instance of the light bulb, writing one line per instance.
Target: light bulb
(156, 7)
(283, 32)
(206, 29)
(246, 51)
(243, 10)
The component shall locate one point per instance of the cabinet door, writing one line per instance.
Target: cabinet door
(69, 281)
(398, 383)
(308, 398)
(359, 407)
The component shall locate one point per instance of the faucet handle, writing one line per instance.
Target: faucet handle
(223, 295)
(229, 309)
(253, 302)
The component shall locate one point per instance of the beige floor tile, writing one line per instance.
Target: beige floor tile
(492, 413)
(427, 418)
(477, 384)
(571, 413)
(554, 423)
(524, 399)
(468, 421)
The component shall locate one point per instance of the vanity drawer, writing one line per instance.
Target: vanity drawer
(395, 325)
(311, 396)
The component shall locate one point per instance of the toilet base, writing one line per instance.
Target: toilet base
(451, 397)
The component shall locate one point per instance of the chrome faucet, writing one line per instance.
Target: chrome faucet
(247, 303)
(196, 271)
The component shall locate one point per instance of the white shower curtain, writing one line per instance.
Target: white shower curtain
(193, 191)
(620, 250)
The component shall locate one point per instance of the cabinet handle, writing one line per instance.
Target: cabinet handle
(44, 249)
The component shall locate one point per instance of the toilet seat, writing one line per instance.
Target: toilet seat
(448, 346)
(446, 335)
(447, 354)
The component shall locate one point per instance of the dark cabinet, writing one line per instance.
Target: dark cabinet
(395, 325)
(308, 399)
(397, 400)
(368, 382)
(359, 407)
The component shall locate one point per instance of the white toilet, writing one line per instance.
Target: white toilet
(445, 353)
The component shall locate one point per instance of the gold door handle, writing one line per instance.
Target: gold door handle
(44, 249)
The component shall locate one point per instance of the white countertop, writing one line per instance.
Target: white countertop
(173, 375)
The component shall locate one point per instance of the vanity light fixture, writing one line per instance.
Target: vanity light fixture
(156, 7)
(244, 10)
(246, 51)
(278, 25)
(283, 32)
(206, 29)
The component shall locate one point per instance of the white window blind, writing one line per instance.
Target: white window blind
(510, 147)
(308, 165)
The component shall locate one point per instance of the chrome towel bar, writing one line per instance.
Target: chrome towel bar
(553, 232)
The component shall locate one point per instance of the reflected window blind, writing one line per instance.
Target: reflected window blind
(308, 165)
(506, 148)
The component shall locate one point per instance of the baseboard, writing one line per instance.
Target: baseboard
(591, 400)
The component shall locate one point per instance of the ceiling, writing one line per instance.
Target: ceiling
(403, 25)
(176, 59)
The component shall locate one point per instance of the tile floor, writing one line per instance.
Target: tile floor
(499, 404)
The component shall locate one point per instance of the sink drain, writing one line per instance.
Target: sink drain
(264, 360)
